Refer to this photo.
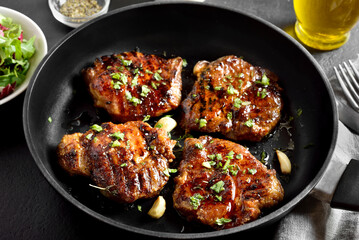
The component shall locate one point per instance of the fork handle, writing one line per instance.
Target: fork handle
(346, 195)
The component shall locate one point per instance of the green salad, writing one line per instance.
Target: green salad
(15, 52)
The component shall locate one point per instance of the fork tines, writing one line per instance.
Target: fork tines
(349, 83)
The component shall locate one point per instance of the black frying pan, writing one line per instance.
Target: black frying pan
(194, 32)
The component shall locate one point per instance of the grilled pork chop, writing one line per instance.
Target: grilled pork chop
(132, 85)
(221, 184)
(128, 161)
(234, 98)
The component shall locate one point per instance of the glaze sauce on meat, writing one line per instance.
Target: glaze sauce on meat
(221, 184)
(234, 98)
(132, 85)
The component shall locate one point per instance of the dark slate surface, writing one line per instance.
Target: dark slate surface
(29, 207)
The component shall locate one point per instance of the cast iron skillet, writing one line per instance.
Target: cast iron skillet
(195, 32)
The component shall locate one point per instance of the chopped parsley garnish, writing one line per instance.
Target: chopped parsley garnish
(217, 88)
(184, 63)
(241, 75)
(262, 93)
(145, 90)
(221, 221)
(195, 200)
(212, 156)
(146, 118)
(218, 198)
(139, 208)
(249, 123)
(202, 122)
(115, 143)
(49, 120)
(229, 116)
(226, 165)
(264, 81)
(148, 71)
(158, 125)
(123, 165)
(154, 85)
(120, 76)
(218, 186)
(133, 100)
(237, 103)
(96, 127)
(239, 156)
(207, 164)
(299, 112)
(126, 62)
(219, 156)
(263, 157)
(157, 76)
(231, 90)
(230, 155)
(167, 171)
(252, 171)
(89, 136)
(134, 80)
(118, 135)
(199, 145)
(116, 85)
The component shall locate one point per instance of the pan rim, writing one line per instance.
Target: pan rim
(274, 216)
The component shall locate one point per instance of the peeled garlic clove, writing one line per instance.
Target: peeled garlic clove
(166, 123)
(158, 208)
(285, 165)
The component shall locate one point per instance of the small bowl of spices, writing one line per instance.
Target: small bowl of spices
(73, 13)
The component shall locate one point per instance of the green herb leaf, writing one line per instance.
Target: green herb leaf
(218, 186)
(264, 81)
(237, 103)
(167, 171)
(96, 127)
(157, 76)
(252, 171)
(146, 118)
(195, 200)
(145, 90)
(115, 143)
(118, 135)
(231, 90)
(184, 63)
(222, 221)
(249, 123)
(199, 145)
(202, 122)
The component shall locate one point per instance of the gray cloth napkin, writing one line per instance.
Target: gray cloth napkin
(313, 218)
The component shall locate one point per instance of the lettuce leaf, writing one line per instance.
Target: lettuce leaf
(15, 52)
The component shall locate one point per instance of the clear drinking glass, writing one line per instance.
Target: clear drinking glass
(325, 24)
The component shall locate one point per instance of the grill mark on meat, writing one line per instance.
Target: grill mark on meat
(139, 177)
(221, 88)
(162, 77)
(241, 196)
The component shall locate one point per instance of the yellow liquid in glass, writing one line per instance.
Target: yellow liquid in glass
(325, 24)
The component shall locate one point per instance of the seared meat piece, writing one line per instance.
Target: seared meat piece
(234, 98)
(132, 85)
(129, 161)
(221, 184)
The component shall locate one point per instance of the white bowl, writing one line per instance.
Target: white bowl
(55, 6)
(30, 28)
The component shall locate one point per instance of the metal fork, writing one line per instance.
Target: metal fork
(349, 83)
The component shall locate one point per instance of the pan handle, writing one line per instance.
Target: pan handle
(346, 195)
